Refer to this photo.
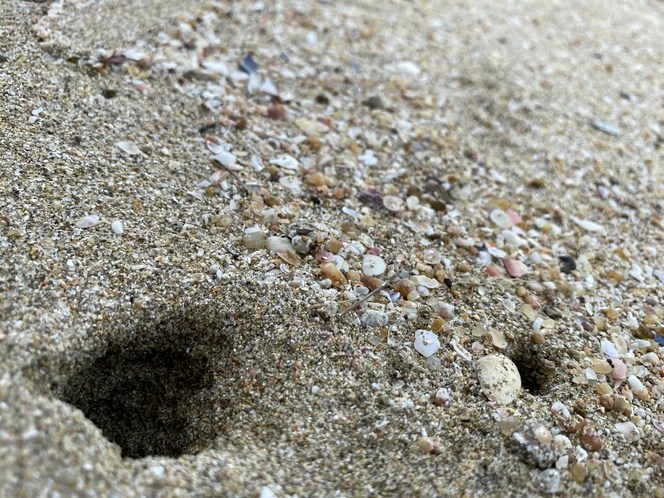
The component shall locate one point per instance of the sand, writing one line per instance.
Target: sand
(145, 350)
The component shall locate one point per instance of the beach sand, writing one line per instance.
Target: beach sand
(178, 325)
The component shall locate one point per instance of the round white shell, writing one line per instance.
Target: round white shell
(499, 378)
(373, 265)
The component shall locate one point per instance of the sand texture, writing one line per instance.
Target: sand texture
(331, 248)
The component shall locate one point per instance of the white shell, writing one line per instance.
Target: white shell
(501, 219)
(87, 221)
(588, 225)
(499, 378)
(285, 161)
(373, 265)
(426, 343)
(129, 147)
(225, 158)
(393, 203)
(278, 244)
(629, 430)
(117, 227)
(425, 281)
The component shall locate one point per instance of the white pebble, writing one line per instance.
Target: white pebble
(117, 227)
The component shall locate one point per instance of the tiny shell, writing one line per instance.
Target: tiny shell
(278, 244)
(117, 227)
(373, 318)
(285, 161)
(429, 283)
(334, 274)
(426, 343)
(588, 225)
(499, 217)
(225, 158)
(129, 147)
(254, 239)
(629, 430)
(619, 369)
(393, 203)
(514, 267)
(499, 378)
(87, 221)
(432, 256)
(373, 265)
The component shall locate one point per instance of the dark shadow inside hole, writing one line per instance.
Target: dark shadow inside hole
(538, 374)
(152, 394)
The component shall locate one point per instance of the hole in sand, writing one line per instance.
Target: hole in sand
(538, 372)
(151, 389)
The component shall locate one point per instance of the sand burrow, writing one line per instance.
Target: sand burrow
(152, 389)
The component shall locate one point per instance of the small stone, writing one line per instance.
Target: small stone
(316, 179)
(548, 481)
(606, 402)
(578, 472)
(370, 282)
(374, 102)
(254, 238)
(331, 271)
(498, 338)
(567, 264)
(621, 405)
(601, 366)
(538, 338)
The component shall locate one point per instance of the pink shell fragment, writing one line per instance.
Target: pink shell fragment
(514, 267)
(495, 271)
(514, 217)
(325, 257)
(619, 369)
